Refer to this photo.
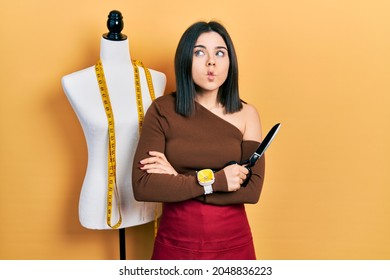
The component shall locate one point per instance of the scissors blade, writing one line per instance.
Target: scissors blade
(264, 144)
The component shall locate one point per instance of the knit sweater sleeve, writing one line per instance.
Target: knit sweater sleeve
(250, 193)
(163, 187)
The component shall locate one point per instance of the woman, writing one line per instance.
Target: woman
(203, 125)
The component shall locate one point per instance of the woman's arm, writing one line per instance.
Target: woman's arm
(151, 182)
(250, 193)
(154, 179)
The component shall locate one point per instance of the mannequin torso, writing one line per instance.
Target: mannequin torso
(82, 91)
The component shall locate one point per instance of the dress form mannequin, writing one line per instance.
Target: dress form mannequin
(82, 91)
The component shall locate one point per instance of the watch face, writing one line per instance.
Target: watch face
(205, 175)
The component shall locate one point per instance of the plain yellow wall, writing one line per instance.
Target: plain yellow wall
(321, 68)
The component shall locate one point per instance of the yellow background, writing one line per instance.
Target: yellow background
(321, 68)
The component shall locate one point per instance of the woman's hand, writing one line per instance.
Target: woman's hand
(235, 176)
(157, 163)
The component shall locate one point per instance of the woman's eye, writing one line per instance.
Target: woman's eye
(220, 53)
(199, 52)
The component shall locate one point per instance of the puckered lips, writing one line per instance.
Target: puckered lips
(211, 75)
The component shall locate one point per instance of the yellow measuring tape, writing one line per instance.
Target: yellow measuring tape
(112, 186)
(137, 82)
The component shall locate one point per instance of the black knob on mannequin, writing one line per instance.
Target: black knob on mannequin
(115, 26)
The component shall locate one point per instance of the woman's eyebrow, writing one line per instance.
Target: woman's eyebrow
(199, 46)
(217, 47)
(221, 47)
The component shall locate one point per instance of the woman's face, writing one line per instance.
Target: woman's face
(210, 63)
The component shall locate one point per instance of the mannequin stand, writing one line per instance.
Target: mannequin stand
(122, 243)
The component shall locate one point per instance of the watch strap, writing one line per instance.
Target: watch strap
(208, 189)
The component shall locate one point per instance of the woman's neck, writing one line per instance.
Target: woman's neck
(115, 51)
(208, 100)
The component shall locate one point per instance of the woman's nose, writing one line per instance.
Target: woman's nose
(210, 60)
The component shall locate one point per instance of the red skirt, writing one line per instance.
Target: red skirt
(192, 230)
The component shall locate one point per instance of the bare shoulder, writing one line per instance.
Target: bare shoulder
(247, 120)
(252, 123)
(249, 110)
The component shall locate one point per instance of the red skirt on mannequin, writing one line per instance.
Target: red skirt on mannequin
(192, 230)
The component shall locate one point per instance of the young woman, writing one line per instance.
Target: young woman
(192, 134)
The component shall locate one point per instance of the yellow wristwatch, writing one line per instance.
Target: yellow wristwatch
(206, 179)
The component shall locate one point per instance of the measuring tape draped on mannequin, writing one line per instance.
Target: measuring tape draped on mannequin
(112, 186)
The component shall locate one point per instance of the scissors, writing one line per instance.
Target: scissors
(258, 153)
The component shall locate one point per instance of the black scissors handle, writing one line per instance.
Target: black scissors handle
(247, 166)
(257, 154)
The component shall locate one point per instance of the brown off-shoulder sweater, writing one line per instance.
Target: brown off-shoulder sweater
(190, 144)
